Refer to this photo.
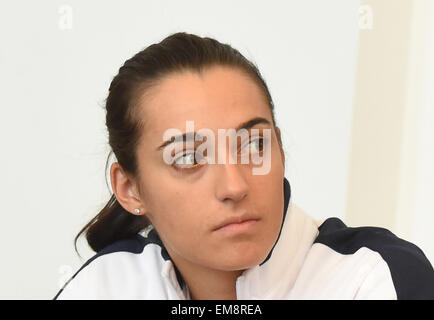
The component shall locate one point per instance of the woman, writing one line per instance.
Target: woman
(218, 230)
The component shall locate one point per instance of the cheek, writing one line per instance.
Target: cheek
(270, 202)
(179, 219)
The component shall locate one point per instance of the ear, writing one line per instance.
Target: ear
(125, 189)
(279, 140)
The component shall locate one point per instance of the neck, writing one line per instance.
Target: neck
(206, 283)
(220, 285)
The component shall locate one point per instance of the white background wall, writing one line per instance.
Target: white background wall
(390, 176)
(422, 218)
(57, 59)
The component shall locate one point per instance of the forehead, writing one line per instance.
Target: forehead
(221, 97)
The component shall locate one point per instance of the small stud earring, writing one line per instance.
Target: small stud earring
(137, 210)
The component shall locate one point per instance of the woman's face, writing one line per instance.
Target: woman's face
(186, 205)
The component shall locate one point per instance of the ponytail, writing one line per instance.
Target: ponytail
(111, 224)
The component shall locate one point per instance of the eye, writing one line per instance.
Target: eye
(256, 145)
(186, 161)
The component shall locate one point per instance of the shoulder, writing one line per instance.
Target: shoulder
(116, 266)
(411, 272)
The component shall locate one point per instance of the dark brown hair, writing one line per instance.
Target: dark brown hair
(176, 53)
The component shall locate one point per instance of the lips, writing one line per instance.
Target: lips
(236, 219)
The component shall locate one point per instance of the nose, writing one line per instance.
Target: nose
(231, 184)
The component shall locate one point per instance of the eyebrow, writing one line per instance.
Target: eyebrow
(245, 125)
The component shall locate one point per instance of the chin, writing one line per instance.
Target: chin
(245, 260)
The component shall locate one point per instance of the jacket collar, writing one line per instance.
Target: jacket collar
(275, 278)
